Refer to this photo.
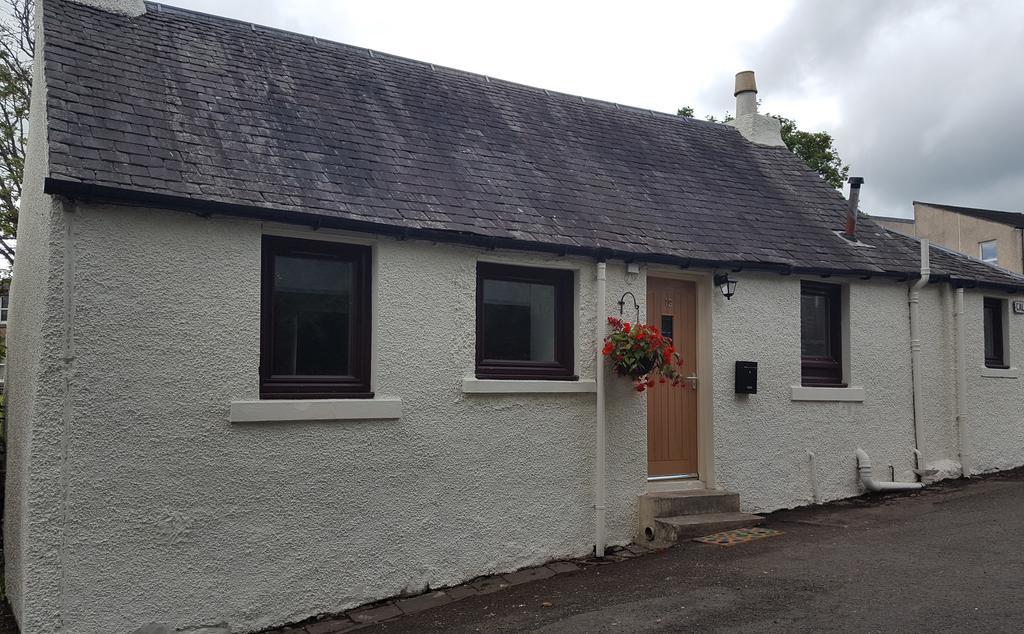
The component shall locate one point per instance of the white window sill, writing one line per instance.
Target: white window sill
(473, 385)
(834, 394)
(381, 407)
(1000, 373)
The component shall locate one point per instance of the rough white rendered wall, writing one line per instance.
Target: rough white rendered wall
(995, 405)
(761, 440)
(35, 391)
(177, 515)
(939, 433)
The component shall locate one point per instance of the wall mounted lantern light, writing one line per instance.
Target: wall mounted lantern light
(727, 285)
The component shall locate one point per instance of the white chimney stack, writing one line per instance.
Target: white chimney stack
(754, 127)
(130, 8)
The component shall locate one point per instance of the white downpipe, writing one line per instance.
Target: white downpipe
(600, 493)
(864, 468)
(815, 493)
(915, 347)
(962, 424)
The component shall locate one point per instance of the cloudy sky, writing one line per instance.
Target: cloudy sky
(925, 98)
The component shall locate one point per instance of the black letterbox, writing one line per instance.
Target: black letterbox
(746, 377)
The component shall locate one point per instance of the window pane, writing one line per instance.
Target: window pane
(815, 334)
(519, 321)
(667, 327)
(312, 304)
(990, 331)
(988, 251)
(993, 326)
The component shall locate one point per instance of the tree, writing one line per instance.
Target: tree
(17, 43)
(816, 149)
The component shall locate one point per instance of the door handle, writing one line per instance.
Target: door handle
(692, 381)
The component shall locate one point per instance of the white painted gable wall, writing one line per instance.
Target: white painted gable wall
(170, 512)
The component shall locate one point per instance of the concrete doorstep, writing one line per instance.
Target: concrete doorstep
(388, 609)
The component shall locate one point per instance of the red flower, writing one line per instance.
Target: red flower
(645, 346)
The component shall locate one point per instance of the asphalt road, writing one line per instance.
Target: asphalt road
(949, 559)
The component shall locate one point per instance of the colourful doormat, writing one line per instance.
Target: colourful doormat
(738, 536)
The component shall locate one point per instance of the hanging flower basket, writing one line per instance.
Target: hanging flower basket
(642, 353)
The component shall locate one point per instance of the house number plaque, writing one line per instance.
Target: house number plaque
(1018, 307)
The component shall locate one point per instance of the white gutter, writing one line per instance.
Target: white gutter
(864, 468)
(962, 426)
(600, 492)
(915, 345)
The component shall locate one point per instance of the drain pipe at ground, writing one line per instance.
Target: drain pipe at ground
(915, 346)
(864, 468)
(599, 459)
(815, 493)
(961, 383)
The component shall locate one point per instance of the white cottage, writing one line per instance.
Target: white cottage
(298, 326)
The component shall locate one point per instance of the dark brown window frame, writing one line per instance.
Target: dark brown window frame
(825, 371)
(354, 385)
(562, 369)
(998, 306)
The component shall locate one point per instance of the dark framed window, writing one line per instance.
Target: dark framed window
(995, 341)
(821, 340)
(315, 321)
(524, 322)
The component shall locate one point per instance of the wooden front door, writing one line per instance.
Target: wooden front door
(672, 411)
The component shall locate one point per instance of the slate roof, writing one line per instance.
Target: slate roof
(1012, 218)
(183, 109)
(962, 270)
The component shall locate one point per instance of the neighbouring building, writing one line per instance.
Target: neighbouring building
(994, 236)
(893, 223)
(298, 326)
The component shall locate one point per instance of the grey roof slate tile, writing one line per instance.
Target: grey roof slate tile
(206, 110)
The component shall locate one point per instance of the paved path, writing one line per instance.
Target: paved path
(950, 559)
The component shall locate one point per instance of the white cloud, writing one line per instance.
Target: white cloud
(656, 54)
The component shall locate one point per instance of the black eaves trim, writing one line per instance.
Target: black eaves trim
(114, 195)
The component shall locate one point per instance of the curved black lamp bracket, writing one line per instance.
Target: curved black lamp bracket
(622, 305)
